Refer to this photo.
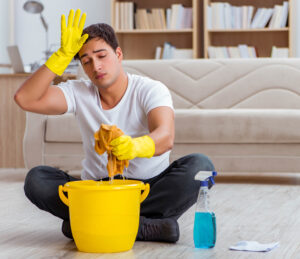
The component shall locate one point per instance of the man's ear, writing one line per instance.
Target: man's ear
(119, 53)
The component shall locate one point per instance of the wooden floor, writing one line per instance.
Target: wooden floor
(262, 212)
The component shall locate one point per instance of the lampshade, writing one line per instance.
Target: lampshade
(36, 7)
(33, 7)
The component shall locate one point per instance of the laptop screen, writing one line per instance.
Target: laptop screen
(15, 59)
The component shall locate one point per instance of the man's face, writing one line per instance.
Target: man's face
(100, 62)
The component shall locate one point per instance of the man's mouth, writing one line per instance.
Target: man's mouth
(99, 76)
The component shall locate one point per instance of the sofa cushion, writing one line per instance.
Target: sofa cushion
(207, 126)
(62, 128)
(237, 126)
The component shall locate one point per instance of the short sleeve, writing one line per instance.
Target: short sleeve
(68, 90)
(156, 95)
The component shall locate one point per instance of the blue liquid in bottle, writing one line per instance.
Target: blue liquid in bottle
(205, 230)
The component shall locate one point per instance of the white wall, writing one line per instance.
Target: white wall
(4, 31)
(30, 35)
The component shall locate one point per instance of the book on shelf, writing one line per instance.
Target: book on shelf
(237, 18)
(250, 15)
(279, 52)
(247, 13)
(158, 52)
(222, 15)
(180, 17)
(227, 16)
(129, 17)
(275, 20)
(243, 49)
(280, 16)
(182, 53)
(262, 17)
(233, 52)
(175, 9)
(159, 18)
(168, 17)
(124, 15)
(151, 21)
(168, 51)
(208, 17)
(217, 16)
(240, 51)
(285, 13)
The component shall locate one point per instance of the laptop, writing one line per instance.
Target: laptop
(15, 59)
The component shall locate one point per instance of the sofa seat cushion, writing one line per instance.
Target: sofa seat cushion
(62, 128)
(207, 126)
(237, 126)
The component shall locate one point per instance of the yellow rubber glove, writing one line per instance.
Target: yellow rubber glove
(127, 148)
(71, 42)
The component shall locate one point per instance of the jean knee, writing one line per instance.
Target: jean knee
(32, 180)
(36, 185)
(200, 162)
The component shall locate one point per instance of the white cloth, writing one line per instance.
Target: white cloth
(253, 246)
(130, 115)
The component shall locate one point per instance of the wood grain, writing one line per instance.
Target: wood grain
(13, 119)
(261, 212)
(12, 122)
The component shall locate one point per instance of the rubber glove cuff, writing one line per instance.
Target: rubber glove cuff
(145, 146)
(58, 62)
(127, 148)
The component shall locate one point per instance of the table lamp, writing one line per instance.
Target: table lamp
(36, 7)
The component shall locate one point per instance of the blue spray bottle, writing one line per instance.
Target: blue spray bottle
(205, 220)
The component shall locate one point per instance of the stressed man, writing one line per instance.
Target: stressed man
(141, 107)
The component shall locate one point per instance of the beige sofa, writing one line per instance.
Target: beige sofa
(243, 113)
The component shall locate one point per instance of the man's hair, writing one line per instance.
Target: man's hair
(102, 31)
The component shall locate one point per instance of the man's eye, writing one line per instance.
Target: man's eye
(103, 56)
(85, 62)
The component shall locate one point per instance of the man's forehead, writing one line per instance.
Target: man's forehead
(93, 46)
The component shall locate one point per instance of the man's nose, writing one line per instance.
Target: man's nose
(97, 65)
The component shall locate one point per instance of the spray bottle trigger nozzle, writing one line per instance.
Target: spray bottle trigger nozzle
(212, 179)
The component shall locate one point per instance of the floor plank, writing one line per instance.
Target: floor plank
(261, 212)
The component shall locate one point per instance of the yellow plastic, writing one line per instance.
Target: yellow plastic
(104, 216)
(71, 42)
(127, 148)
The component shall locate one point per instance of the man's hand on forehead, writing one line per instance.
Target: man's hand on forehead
(71, 42)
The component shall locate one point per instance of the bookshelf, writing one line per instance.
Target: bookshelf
(142, 43)
(262, 39)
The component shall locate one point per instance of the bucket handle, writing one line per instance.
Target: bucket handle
(63, 197)
(145, 193)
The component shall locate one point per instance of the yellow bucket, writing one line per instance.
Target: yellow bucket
(104, 216)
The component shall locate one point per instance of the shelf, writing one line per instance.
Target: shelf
(263, 39)
(142, 43)
(155, 31)
(249, 30)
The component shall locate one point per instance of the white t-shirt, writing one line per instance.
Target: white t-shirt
(130, 115)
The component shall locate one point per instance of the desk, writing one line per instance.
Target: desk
(12, 120)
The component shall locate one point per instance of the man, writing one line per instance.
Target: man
(140, 107)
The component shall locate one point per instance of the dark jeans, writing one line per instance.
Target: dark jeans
(171, 193)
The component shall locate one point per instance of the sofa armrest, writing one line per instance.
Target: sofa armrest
(33, 140)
